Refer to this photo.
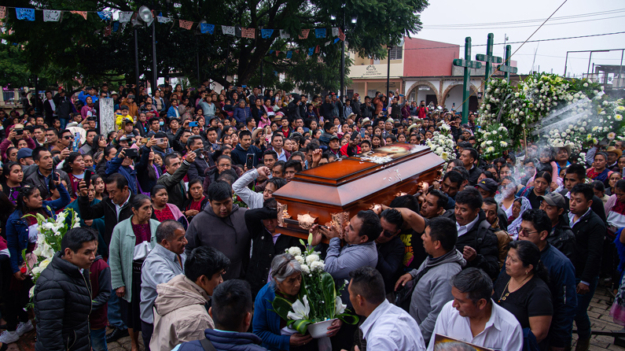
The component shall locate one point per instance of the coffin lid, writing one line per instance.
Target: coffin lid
(344, 182)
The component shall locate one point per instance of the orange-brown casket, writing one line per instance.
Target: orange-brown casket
(332, 193)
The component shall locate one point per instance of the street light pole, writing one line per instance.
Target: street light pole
(388, 72)
(136, 58)
(154, 69)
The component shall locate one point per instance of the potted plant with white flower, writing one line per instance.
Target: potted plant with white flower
(319, 302)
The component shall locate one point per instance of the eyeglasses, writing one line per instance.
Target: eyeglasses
(387, 233)
(68, 137)
(526, 232)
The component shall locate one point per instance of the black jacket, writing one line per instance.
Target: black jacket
(62, 307)
(474, 174)
(597, 205)
(589, 233)
(367, 111)
(481, 238)
(198, 168)
(263, 248)
(107, 209)
(562, 238)
(390, 258)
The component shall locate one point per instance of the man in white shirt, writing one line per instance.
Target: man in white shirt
(474, 318)
(387, 326)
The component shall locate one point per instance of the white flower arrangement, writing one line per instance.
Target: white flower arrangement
(51, 232)
(318, 300)
(443, 144)
(494, 141)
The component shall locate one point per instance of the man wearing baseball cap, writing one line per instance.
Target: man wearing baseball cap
(561, 236)
(25, 157)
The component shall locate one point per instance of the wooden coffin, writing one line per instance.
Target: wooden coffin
(335, 192)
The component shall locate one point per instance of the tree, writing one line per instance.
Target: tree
(78, 49)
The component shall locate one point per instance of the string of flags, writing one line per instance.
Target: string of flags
(28, 14)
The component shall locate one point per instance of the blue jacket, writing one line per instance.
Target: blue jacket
(171, 113)
(83, 97)
(115, 165)
(239, 155)
(266, 323)
(225, 340)
(563, 295)
(241, 114)
(17, 228)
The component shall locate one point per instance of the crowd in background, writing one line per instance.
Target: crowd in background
(179, 241)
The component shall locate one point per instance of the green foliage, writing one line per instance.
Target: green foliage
(77, 49)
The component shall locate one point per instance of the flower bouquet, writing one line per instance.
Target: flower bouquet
(443, 144)
(318, 302)
(494, 141)
(51, 232)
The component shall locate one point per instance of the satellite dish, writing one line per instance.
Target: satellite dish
(145, 14)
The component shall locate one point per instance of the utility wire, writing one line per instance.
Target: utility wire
(519, 42)
(527, 21)
(531, 25)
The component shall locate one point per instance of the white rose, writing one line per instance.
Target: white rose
(305, 268)
(317, 266)
(300, 259)
(312, 258)
(585, 85)
(295, 251)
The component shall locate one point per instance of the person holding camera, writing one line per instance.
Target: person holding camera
(121, 164)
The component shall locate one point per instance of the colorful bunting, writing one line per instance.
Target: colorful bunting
(277, 53)
(82, 13)
(271, 52)
(317, 49)
(227, 30)
(336, 40)
(249, 33)
(52, 15)
(125, 16)
(327, 43)
(320, 32)
(163, 19)
(284, 34)
(335, 31)
(207, 28)
(105, 15)
(311, 51)
(341, 34)
(289, 54)
(297, 51)
(25, 14)
(266, 33)
(3, 12)
(304, 34)
(185, 24)
(115, 26)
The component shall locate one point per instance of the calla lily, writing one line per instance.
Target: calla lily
(339, 307)
(300, 310)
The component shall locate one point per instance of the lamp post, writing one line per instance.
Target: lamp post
(388, 72)
(136, 58)
(354, 20)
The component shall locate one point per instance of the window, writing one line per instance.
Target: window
(396, 53)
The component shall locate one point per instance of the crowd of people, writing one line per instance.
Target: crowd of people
(179, 245)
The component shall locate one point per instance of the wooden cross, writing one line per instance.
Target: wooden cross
(489, 59)
(506, 67)
(466, 89)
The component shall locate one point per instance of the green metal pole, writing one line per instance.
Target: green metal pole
(507, 61)
(467, 82)
(489, 54)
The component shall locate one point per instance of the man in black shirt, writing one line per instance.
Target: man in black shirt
(468, 158)
(576, 174)
(589, 232)
(390, 247)
(561, 236)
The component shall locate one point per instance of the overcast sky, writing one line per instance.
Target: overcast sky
(550, 55)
